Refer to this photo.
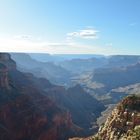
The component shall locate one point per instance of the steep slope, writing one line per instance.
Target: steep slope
(120, 71)
(25, 113)
(56, 74)
(122, 124)
(84, 104)
(103, 82)
(83, 107)
(75, 99)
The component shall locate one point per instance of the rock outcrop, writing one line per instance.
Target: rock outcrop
(6, 64)
(122, 124)
(4, 81)
(5, 59)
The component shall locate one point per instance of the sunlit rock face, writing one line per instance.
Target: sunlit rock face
(123, 120)
(123, 123)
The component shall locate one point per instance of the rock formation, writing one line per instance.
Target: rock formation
(4, 81)
(25, 112)
(122, 124)
(5, 59)
(6, 64)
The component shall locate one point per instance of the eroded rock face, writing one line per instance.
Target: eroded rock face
(6, 64)
(83, 108)
(123, 120)
(21, 119)
(5, 59)
(122, 124)
(4, 81)
(25, 112)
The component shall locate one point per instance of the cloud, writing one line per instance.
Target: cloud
(24, 37)
(26, 44)
(84, 34)
(12, 44)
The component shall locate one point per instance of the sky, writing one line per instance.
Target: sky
(70, 26)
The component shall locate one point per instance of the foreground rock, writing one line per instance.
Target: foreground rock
(122, 124)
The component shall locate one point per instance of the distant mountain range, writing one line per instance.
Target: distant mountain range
(49, 70)
(119, 71)
(61, 57)
(116, 77)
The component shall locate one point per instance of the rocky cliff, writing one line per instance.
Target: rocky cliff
(25, 112)
(123, 123)
(84, 109)
(124, 119)
(6, 64)
(4, 81)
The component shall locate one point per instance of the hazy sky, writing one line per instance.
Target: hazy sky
(70, 26)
